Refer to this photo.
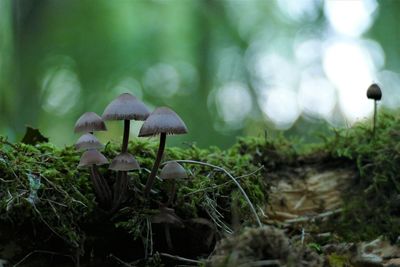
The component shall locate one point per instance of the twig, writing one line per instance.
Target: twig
(120, 261)
(233, 179)
(180, 258)
(309, 218)
(42, 252)
(261, 263)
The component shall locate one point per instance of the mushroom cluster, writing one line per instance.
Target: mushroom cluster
(162, 121)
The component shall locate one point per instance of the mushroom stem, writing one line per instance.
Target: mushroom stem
(120, 189)
(152, 176)
(172, 193)
(375, 117)
(105, 188)
(126, 136)
(168, 236)
(98, 189)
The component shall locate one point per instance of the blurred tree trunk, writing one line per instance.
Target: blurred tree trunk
(25, 96)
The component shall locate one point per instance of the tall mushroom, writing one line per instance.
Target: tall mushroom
(88, 123)
(161, 121)
(125, 107)
(92, 158)
(172, 171)
(122, 163)
(374, 92)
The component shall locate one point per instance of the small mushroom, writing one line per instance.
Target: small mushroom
(172, 171)
(374, 92)
(122, 163)
(161, 121)
(88, 141)
(92, 158)
(167, 217)
(89, 122)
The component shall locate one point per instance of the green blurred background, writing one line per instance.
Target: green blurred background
(228, 68)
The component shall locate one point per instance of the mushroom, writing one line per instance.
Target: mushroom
(88, 141)
(167, 217)
(161, 121)
(126, 107)
(89, 122)
(374, 92)
(172, 171)
(122, 163)
(92, 158)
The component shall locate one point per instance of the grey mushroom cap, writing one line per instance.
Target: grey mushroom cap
(89, 122)
(126, 107)
(374, 92)
(167, 216)
(92, 157)
(173, 170)
(124, 162)
(88, 141)
(163, 120)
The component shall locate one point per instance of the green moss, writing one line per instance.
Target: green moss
(63, 204)
(335, 260)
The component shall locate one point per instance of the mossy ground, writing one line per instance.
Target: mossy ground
(47, 205)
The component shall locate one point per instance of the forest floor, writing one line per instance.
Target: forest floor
(263, 202)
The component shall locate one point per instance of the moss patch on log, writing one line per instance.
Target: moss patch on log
(47, 204)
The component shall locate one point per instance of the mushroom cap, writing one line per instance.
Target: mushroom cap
(173, 170)
(124, 162)
(92, 157)
(374, 92)
(167, 215)
(89, 122)
(126, 107)
(163, 120)
(88, 141)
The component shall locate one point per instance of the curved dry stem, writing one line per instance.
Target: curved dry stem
(232, 178)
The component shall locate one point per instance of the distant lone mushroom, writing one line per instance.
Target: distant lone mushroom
(161, 121)
(172, 171)
(92, 158)
(374, 92)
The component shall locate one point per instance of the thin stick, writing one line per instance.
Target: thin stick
(262, 263)
(42, 252)
(180, 258)
(233, 179)
(120, 261)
